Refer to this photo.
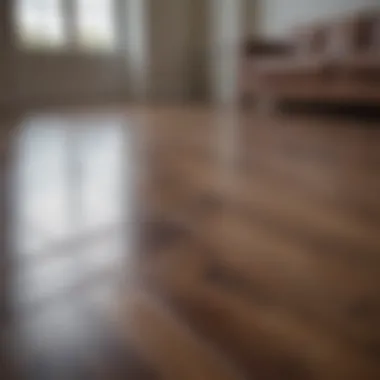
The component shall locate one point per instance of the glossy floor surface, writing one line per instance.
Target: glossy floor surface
(186, 243)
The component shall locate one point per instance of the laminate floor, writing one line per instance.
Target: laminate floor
(181, 243)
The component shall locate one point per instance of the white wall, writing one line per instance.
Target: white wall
(277, 17)
(137, 47)
(227, 28)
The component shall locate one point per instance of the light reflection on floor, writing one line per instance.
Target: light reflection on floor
(72, 229)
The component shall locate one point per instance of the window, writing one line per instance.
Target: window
(95, 24)
(42, 24)
(39, 23)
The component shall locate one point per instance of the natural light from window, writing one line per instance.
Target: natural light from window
(42, 24)
(96, 24)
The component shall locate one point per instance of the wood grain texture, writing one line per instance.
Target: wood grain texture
(190, 243)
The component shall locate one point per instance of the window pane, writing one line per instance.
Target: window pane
(40, 23)
(96, 24)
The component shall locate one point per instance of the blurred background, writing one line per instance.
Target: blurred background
(183, 51)
(162, 215)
